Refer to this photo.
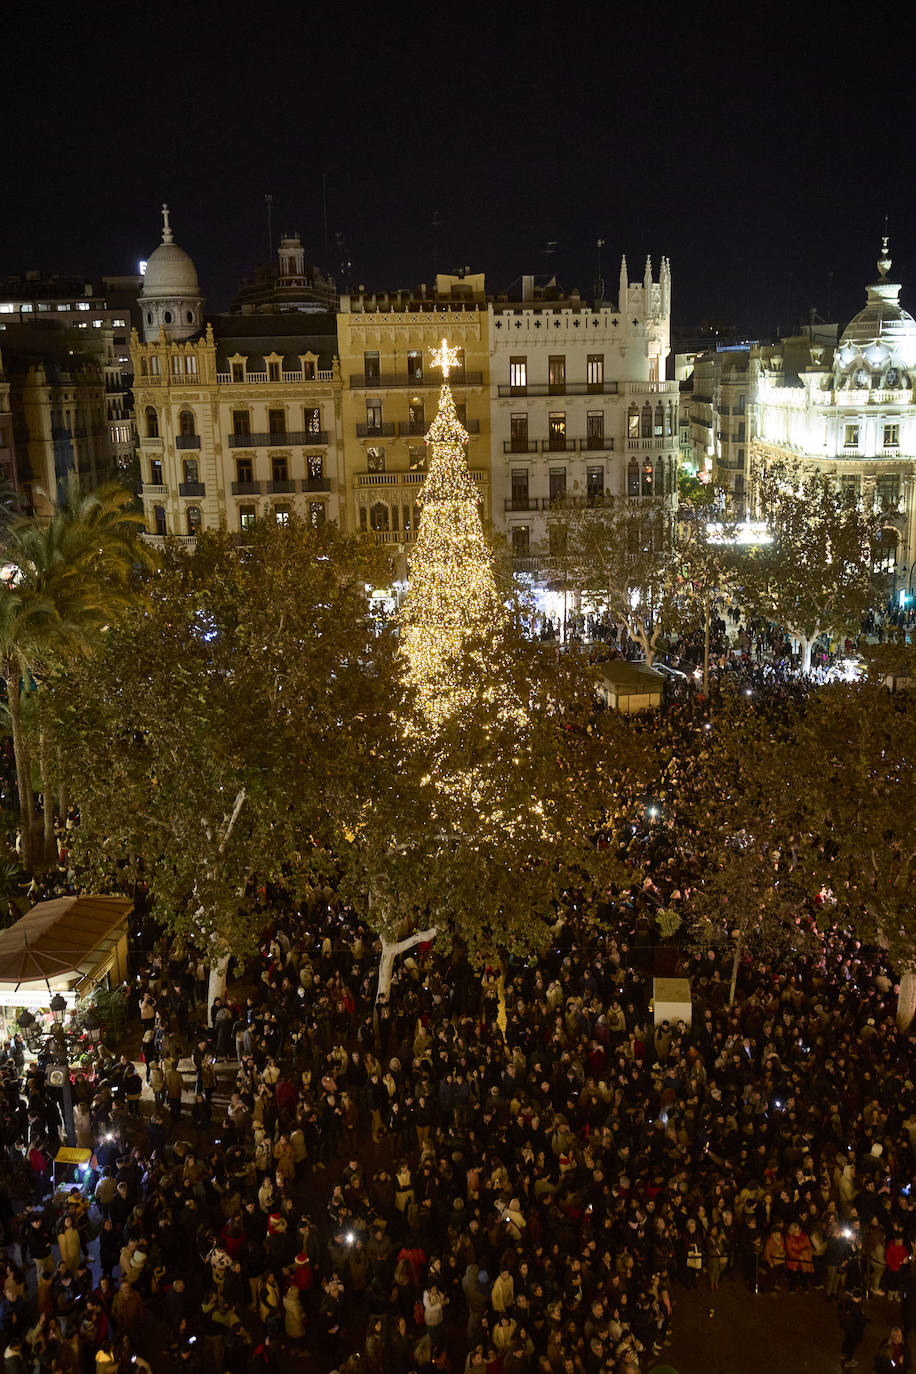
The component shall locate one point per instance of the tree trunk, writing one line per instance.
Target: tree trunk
(906, 999)
(23, 769)
(63, 800)
(217, 984)
(806, 646)
(47, 798)
(736, 963)
(502, 1016)
(390, 950)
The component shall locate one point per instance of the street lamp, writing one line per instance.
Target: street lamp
(92, 1026)
(58, 1072)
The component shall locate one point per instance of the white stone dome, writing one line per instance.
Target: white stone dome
(883, 331)
(169, 272)
(170, 296)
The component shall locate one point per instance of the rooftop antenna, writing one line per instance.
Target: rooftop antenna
(599, 280)
(269, 202)
(436, 225)
(324, 212)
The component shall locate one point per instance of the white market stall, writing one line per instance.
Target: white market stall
(629, 687)
(68, 946)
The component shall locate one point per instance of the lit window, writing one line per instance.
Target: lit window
(97, 324)
(82, 305)
(595, 369)
(65, 307)
(851, 438)
(27, 308)
(518, 373)
(891, 436)
(119, 324)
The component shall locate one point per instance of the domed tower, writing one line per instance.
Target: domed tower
(170, 296)
(878, 346)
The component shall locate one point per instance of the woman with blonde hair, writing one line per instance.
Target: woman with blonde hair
(68, 1242)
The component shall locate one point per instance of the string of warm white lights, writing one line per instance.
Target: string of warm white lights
(451, 594)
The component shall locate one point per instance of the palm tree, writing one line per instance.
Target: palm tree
(73, 576)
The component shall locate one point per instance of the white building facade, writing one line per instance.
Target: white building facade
(579, 405)
(850, 412)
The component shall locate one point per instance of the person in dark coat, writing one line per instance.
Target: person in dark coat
(853, 1322)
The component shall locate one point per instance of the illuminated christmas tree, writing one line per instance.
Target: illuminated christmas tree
(452, 600)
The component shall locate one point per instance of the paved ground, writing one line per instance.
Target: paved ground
(782, 1334)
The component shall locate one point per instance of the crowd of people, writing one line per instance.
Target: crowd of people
(507, 1171)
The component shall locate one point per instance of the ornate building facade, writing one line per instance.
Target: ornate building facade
(850, 411)
(234, 422)
(580, 407)
(388, 399)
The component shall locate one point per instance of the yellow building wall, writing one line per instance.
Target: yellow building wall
(370, 324)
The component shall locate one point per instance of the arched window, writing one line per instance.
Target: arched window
(633, 422)
(159, 519)
(647, 479)
(143, 367)
(176, 364)
(193, 518)
(168, 317)
(378, 516)
(186, 424)
(190, 317)
(669, 419)
(633, 478)
(190, 364)
(152, 423)
(645, 429)
(659, 420)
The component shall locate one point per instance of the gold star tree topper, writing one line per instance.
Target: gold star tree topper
(444, 357)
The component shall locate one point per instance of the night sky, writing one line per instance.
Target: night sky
(758, 147)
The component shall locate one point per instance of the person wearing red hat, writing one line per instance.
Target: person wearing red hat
(303, 1274)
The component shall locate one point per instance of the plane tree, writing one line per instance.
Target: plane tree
(225, 730)
(815, 574)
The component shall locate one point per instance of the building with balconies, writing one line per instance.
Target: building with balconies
(56, 399)
(579, 405)
(98, 315)
(235, 423)
(715, 416)
(389, 395)
(849, 410)
(239, 424)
